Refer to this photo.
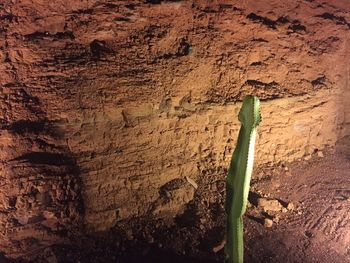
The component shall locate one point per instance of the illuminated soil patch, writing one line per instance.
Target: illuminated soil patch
(308, 207)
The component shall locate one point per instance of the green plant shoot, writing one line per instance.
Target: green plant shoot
(238, 178)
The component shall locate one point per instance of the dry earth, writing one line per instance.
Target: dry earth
(308, 203)
(110, 109)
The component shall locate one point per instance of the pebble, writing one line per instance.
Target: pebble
(320, 154)
(268, 222)
(192, 182)
(290, 206)
(269, 205)
(307, 158)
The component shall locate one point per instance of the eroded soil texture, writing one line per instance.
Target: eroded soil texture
(298, 212)
(108, 108)
(118, 119)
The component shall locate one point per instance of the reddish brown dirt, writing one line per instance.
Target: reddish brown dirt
(108, 107)
(315, 230)
(318, 229)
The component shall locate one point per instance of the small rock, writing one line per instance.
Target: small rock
(308, 234)
(290, 206)
(320, 154)
(268, 222)
(284, 210)
(276, 219)
(300, 213)
(269, 205)
(192, 182)
(307, 158)
(220, 246)
(286, 168)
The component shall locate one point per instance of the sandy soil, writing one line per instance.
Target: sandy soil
(305, 219)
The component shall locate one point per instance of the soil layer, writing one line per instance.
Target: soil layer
(119, 117)
(298, 212)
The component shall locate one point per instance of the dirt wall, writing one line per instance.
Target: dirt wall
(111, 109)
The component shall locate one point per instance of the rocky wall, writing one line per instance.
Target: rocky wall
(115, 109)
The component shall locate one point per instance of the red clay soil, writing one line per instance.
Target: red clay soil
(314, 227)
(318, 229)
(98, 103)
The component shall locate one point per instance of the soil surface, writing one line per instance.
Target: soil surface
(298, 212)
(109, 109)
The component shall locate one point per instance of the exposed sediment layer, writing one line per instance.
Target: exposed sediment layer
(107, 106)
(185, 143)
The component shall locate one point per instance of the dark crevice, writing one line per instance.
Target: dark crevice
(88, 11)
(260, 40)
(209, 10)
(297, 26)
(264, 20)
(122, 19)
(338, 19)
(7, 18)
(319, 81)
(47, 158)
(259, 84)
(258, 63)
(26, 126)
(48, 35)
(110, 5)
(43, 127)
(253, 198)
(282, 20)
(99, 48)
(153, 2)
(130, 6)
(184, 49)
(157, 2)
(256, 219)
(225, 6)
